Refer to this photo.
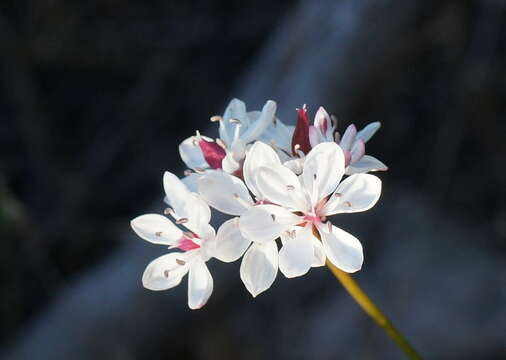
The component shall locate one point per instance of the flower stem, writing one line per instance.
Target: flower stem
(370, 308)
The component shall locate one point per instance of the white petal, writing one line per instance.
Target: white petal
(296, 165)
(259, 267)
(191, 182)
(256, 128)
(356, 193)
(175, 190)
(236, 109)
(165, 272)
(230, 244)
(229, 164)
(342, 249)
(225, 192)
(279, 135)
(366, 164)
(264, 223)
(156, 229)
(200, 284)
(191, 154)
(280, 185)
(323, 169)
(259, 154)
(296, 255)
(322, 122)
(366, 133)
(319, 253)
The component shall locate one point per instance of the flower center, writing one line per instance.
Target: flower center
(186, 242)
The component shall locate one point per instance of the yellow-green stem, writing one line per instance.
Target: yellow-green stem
(370, 308)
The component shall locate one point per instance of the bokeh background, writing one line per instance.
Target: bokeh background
(95, 97)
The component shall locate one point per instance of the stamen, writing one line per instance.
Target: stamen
(290, 187)
(235, 121)
(180, 262)
(338, 194)
(187, 172)
(314, 176)
(347, 203)
(273, 217)
(221, 144)
(199, 170)
(181, 221)
(168, 211)
(166, 273)
(158, 233)
(296, 147)
(216, 118)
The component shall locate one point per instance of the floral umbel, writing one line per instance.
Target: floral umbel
(279, 184)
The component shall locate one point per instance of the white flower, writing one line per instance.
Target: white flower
(198, 243)
(237, 128)
(304, 204)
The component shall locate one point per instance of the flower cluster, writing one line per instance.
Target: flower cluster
(277, 182)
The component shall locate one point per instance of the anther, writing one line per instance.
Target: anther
(338, 194)
(199, 170)
(181, 221)
(166, 273)
(347, 203)
(168, 211)
(180, 262)
(188, 172)
(273, 217)
(158, 233)
(216, 118)
(290, 187)
(188, 234)
(234, 121)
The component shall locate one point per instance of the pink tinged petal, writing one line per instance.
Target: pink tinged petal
(357, 151)
(186, 244)
(301, 133)
(366, 164)
(342, 249)
(191, 154)
(259, 267)
(280, 185)
(259, 154)
(213, 153)
(366, 133)
(200, 284)
(230, 244)
(236, 109)
(315, 136)
(264, 223)
(225, 192)
(156, 229)
(257, 127)
(196, 212)
(165, 272)
(296, 255)
(348, 137)
(347, 157)
(322, 122)
(323, 169)
(356, 193)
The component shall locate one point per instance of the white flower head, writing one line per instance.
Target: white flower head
(299, 208)
(197, 242)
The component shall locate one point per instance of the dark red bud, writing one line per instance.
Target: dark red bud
(301, 132)
(213, 153)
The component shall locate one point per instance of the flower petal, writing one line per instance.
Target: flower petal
(165, 272)
(319, 253)
(348, 138)
(259, 154)
(236, 109)
(256, 128)
(212, 152)
(191, 154)
(280, 185)
(191, 182)
(296, 255)
(366, 164)
(175, 190)
(225, 192)
(230, 244)
(366, 133)
(264, 223)
(156, 229)
(342, 249)
(259, 267)
(200, 284)
(323, 169)
(324, 124)
(356, 193)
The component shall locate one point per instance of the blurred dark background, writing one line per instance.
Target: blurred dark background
(95, 97)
